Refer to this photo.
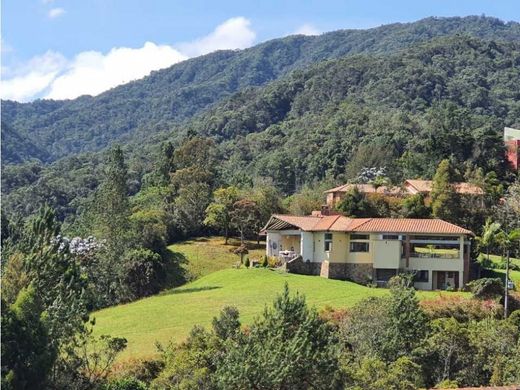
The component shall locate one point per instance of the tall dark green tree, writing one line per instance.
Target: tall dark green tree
(444, 199)
(112, 201)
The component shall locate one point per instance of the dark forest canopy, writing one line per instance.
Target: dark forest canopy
(169, 96)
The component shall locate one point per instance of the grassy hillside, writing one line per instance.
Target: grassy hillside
(205, 255)
(171, 315)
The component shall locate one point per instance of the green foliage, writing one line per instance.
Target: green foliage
(355, 204)
(414, 207)
(289, 347)
(444, 198)
(28, 353)
(374, 374)
(144, 272)
(487, 288)
(125, 384)
(218, 213)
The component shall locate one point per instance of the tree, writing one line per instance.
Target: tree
(112, 203)
(489, 235)
(415, 207)
(219, 212)
(408, 324)
(506, 240)
(27, 351)
(244, 217)
(444, 199)
(289, 347)
(190, 206)
(355, 204)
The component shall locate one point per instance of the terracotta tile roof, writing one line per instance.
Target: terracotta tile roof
(461, 188)
(410, 225)
(367, 189)
(339, 223)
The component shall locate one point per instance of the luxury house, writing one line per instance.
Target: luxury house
(371, 249)
(409, 187)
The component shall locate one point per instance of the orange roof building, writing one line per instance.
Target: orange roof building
(409, 187)
(372, 249)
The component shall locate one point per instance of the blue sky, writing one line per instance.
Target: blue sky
(65, 48)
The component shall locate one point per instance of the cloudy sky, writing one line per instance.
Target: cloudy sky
(61, 49)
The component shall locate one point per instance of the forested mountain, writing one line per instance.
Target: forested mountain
(173, 95)
(447, 98)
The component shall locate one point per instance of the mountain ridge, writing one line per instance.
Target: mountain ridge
(175, 94)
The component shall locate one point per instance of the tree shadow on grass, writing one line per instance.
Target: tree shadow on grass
(175, 274)
(191, 290)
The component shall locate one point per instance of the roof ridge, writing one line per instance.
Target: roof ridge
(367, 220)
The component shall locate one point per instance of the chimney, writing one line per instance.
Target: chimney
(325, 210)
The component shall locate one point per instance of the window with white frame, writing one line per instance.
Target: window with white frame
(328, 242)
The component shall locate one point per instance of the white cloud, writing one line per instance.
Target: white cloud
(24, 82)
(234, 33)
(92, 72)
(307, 29)
(55, 12)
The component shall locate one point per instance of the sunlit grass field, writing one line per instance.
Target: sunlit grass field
(205, 255)
(171, 315)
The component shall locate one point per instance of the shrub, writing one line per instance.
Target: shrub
(247, 263)
(460, 308)
(143, 272)
(265, 261)
(125, 384)
(273, 262)
(487, 288)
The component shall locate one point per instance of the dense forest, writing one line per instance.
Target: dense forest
(448, 98)
(153, 104)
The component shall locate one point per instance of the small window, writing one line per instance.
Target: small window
(359, 237)
(328, 242)
(359, 247)
(390, 237)
(421, 277)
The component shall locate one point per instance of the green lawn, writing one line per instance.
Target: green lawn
(171, 315)
(514, 275)
(205, 255)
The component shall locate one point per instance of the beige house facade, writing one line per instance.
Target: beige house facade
(372, 249)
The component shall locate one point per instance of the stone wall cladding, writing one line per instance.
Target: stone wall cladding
(298, 266)
(359, 273)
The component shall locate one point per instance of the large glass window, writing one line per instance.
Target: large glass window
(328, 242)
(359, 247)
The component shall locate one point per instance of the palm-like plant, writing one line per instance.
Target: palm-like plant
(489, 236)
(506, 240)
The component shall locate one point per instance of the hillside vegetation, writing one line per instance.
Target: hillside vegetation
(447, 98)
(62, 128)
